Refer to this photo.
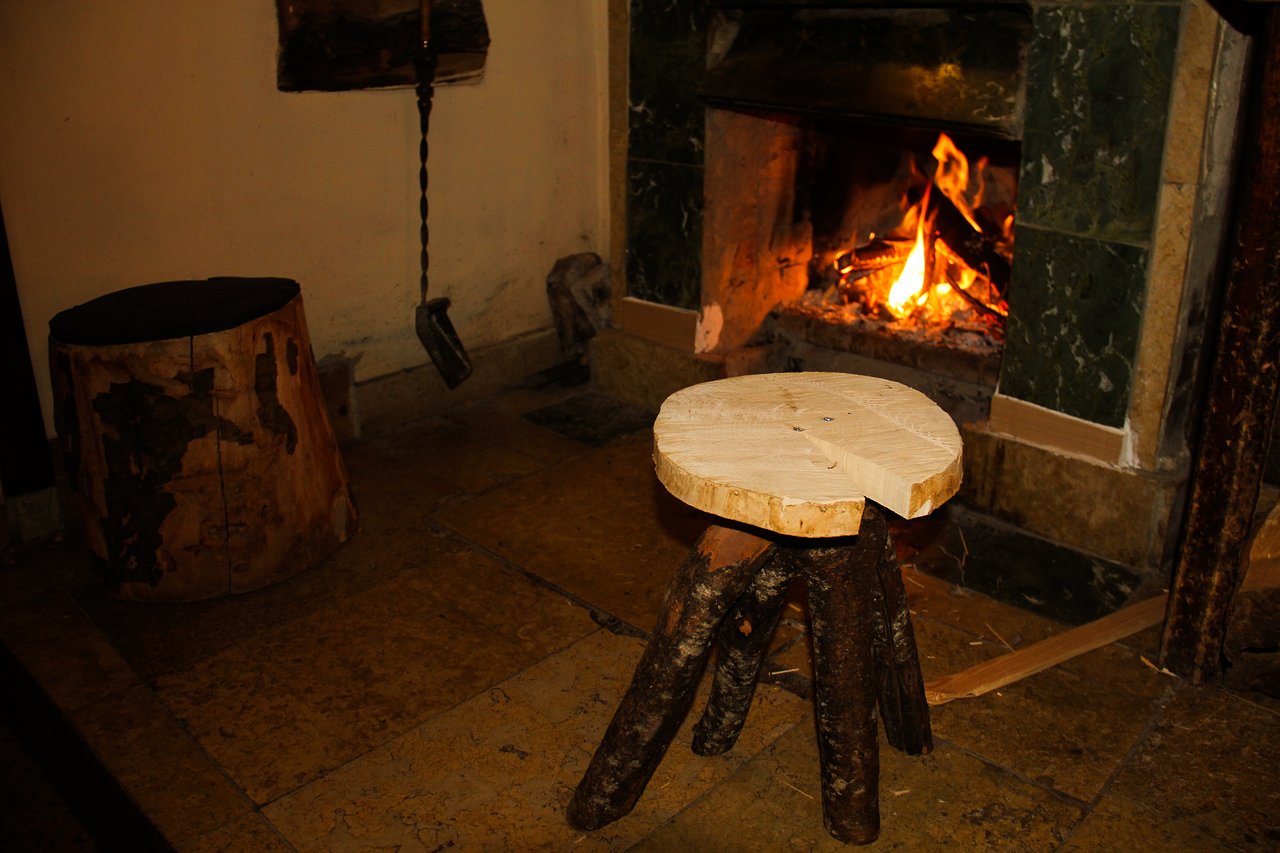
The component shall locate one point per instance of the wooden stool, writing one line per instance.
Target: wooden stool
(796, 456)
(195, 437)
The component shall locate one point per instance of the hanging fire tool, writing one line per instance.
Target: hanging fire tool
(431, 320)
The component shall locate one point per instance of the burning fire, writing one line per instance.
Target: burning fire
(955, 266)
(911, 281)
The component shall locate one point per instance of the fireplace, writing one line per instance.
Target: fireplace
(860, 247)
(1104, 130)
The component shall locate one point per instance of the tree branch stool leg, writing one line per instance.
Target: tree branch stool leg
(743, 644)
(842, 613)
(713, 576)
(903, 706)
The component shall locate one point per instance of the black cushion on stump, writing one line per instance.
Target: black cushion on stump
(171, 309)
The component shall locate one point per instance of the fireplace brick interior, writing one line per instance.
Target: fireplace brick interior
(1124, 120)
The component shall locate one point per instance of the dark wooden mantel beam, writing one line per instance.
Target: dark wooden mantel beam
(1241, 403)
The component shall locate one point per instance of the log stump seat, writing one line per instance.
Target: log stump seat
(796, 463)
(195, 437)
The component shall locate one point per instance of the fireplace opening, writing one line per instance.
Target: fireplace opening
(868, 247)
(912, 233)
(875, 233)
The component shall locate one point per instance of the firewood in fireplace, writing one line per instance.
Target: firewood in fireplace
(876, 255)
(870, 269)
(977, 249)
(983, 294)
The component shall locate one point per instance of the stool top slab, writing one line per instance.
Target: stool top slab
(799, 453)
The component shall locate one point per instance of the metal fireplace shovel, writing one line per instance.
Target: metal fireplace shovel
(431, 320)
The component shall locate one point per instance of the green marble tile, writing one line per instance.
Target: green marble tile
(664, 233)
(1074, 313)
(668, 44)
(1098, 88)
(665, 151)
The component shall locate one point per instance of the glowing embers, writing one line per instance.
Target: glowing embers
(946, 265)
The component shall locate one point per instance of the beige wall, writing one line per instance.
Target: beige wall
(145, 140)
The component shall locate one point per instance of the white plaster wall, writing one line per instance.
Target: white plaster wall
(145, 140)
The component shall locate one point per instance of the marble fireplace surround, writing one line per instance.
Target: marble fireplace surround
(1094, 399)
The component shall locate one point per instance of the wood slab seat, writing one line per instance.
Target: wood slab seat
(804, 458)
(799, 453)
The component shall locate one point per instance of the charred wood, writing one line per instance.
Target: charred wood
(977, 249)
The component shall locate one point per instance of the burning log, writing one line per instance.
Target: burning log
(947, 262)
(979, 305)
(975, 248)
(875, 255)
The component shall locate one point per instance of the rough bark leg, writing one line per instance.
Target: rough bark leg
(743, 643)
(903, 707)
(842, 617)
(711, 579)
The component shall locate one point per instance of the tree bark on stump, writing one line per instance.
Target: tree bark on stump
(203, 465)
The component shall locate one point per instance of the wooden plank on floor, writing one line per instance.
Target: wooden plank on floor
(1037, 657)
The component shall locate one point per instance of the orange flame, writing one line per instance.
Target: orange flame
(911, 280)
(935, 284)
(952, 176)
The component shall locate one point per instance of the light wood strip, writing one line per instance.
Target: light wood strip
(1037, 657)
(663, 324)
(1047, 428)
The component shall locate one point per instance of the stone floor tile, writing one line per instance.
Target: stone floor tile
(517, 433)
(973, 612)
(1207, 769)
(790, 659)
(251, 833)
(455, 452)
(174, 782)
(392, 491)
(369, 681)
(310, 695)
(64, 651)
(946, 800)
(394, 503)
(160, 638)
(599, 526)
(1056, 728)
(1146, 642)
(1115, 824)
(944, 650)
(497, 772)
